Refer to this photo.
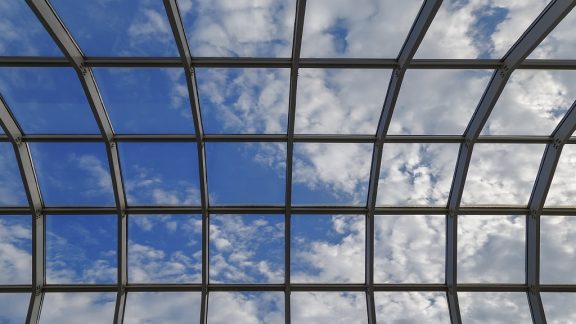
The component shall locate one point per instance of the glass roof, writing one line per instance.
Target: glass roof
(216, 161)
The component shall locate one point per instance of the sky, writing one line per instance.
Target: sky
(82, 249)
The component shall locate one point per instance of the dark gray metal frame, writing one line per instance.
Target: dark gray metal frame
(514, 59)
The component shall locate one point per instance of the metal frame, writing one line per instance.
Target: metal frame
(514, 59)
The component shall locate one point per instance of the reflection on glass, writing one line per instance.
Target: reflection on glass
(81, 249)
(162, 307)
(494, 307)
(13, 307)
(319, 243)
(246, 173)
(340, 101)
(247, 248)
(73, 308)
(73, 173)
(491, 248)
(11, 188)
(557, 253)
(409, 249)
(501, 174)
(160, 173)
(416, 174)
(331, 173)
(563, 187)
(15, 250)
(559, 307)
(144, 100)
(47, 100)
(245, 307)
(164, 248)
(328, 307)
(411, 307)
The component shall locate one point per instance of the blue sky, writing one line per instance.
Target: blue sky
(250, 248)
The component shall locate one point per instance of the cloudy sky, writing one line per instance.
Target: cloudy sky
(82, 249)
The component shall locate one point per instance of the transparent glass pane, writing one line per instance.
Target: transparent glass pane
(416, 174)
(426, 106)
(47, 100)
(331, 173)
(409, 249)
(501, 174)
(478, 29)
(368, 28)
(328, 307)
(22, 34)
(494, 307)
(165, 248)
(411, 307)
(11, 187)
(162, 307)
(253, 101)
(559, 307)
(557, 253)
(563, 188)
(331, 101)
(118, 28)
(246, 173)
(245, 307)
(73, 173)
(239, 28)
(160, 173)
(247, 248)
(560, 43)
(320, 243)
(144, 100)
(15, 251)
(532, 103)
(13, 307)
(491, 248)
(72, 308)
(81, 249)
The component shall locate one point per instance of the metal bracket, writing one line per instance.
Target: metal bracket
(503, 70)
(37, 290)
(557, 143)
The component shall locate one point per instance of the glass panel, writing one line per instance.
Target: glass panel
(71, 308)
(160, 173)
(246, 307)
(15, 251)
(416, 174)
(409, 249)
(47, 100)
(11, 188)
(426, 106)
(494, 307)
(563, 188)
(253, 101)
(491, 248)
(13, 307)
(22, 34)
(118, 28)
(560, 43)
(501, 174)
(557, 253)
(532, 103)
(81, 249)
(478, 29)
(73, 173)
(559, 307)
(331, 173)
(340, 101)
(146, 100)
(319, 243)
(162, 307)
(239, 28)
(368, 28)
(247, 248)
(165, 248)
(411, 307)
(246, 173)
(328, 307)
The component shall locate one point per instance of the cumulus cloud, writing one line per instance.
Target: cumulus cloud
(494, 307)
(247, 307)
(411, 307)
(329, 307)
(162, 307)
(69, 308)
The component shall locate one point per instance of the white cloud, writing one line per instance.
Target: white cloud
(494, 307)
(162, 307)
(411, 307)
(329, 307)
(560, 43)
(557, 249)
(246, 307)
(563, 188)
(15, 257)
(13, 307)
(70, 308)
(559, 307)
(98, 181)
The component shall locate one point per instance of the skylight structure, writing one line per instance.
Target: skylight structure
(302, 161)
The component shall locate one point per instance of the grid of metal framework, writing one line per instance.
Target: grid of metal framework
(515, 58)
